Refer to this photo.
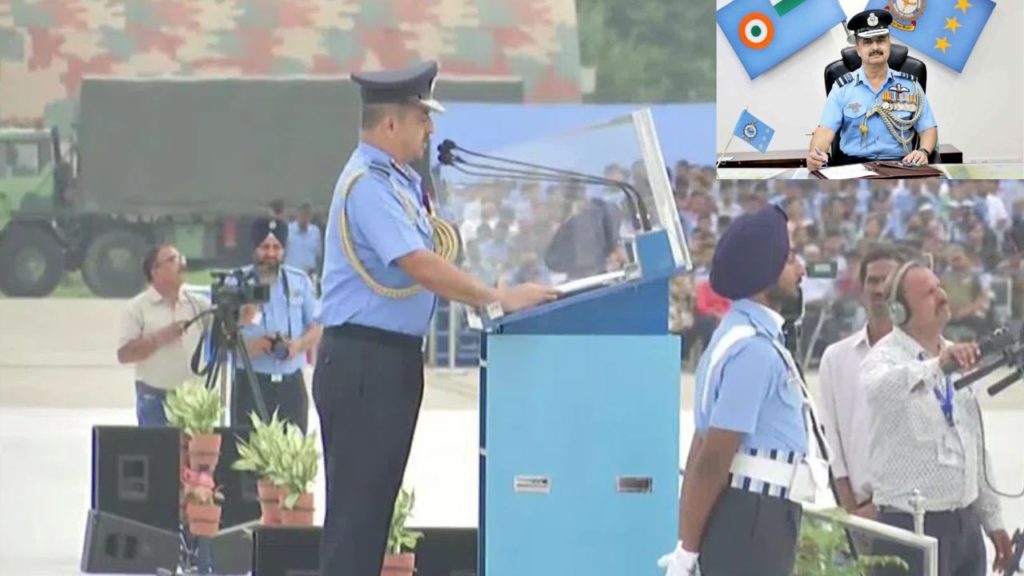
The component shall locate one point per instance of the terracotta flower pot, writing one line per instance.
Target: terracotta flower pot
(301, 514)
(399, 565)
(203, 519)
(270, 505)
(204, 451)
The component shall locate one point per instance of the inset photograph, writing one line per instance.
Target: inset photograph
(842, 89)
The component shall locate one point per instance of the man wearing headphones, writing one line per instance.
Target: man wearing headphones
(926, 435)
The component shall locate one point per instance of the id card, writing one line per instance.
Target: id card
(950, 450)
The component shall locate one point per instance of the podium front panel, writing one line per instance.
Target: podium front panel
(580, 453)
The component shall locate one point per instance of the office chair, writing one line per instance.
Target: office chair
(899, 59)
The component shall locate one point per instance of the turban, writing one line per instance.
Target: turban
(751, 254)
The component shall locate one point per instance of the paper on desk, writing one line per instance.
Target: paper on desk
(846, 172)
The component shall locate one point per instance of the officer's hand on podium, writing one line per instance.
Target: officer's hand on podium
(525, 295)
(680, 562)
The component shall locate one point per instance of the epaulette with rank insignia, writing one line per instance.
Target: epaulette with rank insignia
(905, 75)
(845, 79)
(380, 168)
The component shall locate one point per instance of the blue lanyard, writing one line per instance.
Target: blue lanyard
(946, 400)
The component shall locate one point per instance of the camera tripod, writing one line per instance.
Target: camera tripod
(195, 553)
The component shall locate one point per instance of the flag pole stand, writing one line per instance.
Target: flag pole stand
(724, 150)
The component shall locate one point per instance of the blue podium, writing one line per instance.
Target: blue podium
(579, 429)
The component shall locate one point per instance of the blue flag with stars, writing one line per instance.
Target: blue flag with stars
(945, 30)
(753, 131)
(763, 33)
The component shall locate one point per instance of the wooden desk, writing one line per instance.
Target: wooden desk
(1011, 171)
(795, 158)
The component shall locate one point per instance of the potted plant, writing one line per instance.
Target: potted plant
(294, 467)
(824, 550)
(196, 410)
(399, 559)
(256, 455)
(202, 503)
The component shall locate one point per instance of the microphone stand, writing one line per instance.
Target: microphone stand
(1012, 355)
(538, 172)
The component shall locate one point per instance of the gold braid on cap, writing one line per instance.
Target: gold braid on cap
(446, 241)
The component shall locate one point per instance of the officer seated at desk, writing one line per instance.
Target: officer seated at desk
(876, 110)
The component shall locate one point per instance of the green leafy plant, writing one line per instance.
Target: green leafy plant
(294, 465)
(824, 550)
(400, 538)
(194, 408)
(264, 445)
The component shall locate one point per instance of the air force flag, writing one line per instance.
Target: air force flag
(753, 131)
(945, 30)
(766, 32)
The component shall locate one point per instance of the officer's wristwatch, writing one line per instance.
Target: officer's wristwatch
(926, 151)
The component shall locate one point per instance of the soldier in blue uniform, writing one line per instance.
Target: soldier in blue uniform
(877, 111)
(380, 277)
(754, 454)
(278, 333)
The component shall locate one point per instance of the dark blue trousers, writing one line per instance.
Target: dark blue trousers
(368, 386)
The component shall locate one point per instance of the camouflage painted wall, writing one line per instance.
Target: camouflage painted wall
(47, 46)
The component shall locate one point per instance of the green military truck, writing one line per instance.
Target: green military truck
(183, 160)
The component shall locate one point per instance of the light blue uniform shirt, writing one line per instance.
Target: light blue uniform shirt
(750, 389)
(304, 248)
(848, 103)
(382, 231)
(292, 313)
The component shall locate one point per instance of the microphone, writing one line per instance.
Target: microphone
(997, 341)
(1000, 340)
(1004, 383)
(538, 172)
(444, 153)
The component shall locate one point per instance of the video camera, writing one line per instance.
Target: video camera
(233, 289)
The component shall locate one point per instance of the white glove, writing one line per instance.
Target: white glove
(680, 562)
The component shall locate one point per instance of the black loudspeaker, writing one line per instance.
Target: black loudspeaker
(123, 546)
(446, 552)
(241, 500)
(286, 551)
(135, 474)
(232, 550)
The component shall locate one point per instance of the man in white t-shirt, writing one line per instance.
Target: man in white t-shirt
(153, 333)
(843, 409)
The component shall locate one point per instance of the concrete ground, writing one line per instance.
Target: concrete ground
(59, 377)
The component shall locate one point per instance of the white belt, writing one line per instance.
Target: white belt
(802, 479)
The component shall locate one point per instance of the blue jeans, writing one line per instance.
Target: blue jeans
(149, 405)
(149, 409)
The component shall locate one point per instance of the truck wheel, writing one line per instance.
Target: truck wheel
(31, 262)
(112, 267)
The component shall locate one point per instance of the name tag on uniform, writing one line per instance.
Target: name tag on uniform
(276, 378)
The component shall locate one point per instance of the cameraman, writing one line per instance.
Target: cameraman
(277, 333)
(153, 334)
